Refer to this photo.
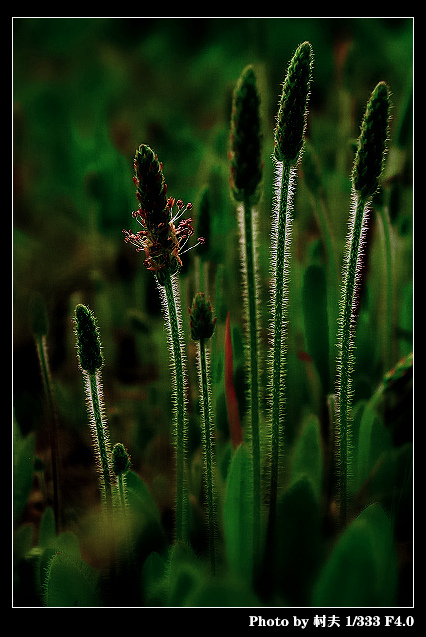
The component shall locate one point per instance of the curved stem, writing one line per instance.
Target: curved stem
(280, 250)
(54, 435)
(208, 452)
(347, 324)
(179, 405)
(101, 437)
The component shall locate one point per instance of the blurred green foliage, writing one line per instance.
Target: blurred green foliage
(86, 93)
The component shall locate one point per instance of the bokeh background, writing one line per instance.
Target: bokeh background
(86, 93)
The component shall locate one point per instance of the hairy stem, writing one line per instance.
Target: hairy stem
(347, 324)
(280, 251)
(95, 406)
(208, 452)
(249, 256)
(173, 314)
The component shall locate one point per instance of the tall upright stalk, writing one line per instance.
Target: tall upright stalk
(162, 239)
(246, 174)
(253, 344)
(367, 169)
(171, 303)
(289, 136)
(120, 467)
(91, 361)
(202, 327)
(280, 265)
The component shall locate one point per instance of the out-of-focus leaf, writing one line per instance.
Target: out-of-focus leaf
(237, 514)
(223, 593)
(71, 583)
(23, 470)
(362, 568)
(307, 456)
(297, 541)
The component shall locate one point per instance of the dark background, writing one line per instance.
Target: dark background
(86, 93)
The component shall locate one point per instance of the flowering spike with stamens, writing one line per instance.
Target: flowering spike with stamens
(161, 237)
(164, 235)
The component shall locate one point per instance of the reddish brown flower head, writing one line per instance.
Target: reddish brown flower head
(161, 238)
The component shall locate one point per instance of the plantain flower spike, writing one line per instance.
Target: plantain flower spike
(161, 238)
(88, 342)
(246, 140)
(292, 112)
(369, 158)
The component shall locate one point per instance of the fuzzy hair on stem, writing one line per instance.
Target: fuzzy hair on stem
(91, 361)
(351, 276)
(170, 300)
(248, 232)
(203, 365)
(368, 166)
(246, 174)
(162, 239)
(202, 328)
(100, 434)
(288, 147)
(251, 301)
(281, 234)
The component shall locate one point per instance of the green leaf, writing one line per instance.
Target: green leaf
(140, 500)
(23, 470)
(405, 320)
(361, 570)
(47, 529)
(307, 456)
(22, 541)
(374, 439)
(297, 542)
(185, 575)
(66, 542)
(70, 583)
(392, 485)
(238, 514)
(223, 593)
(153, 580)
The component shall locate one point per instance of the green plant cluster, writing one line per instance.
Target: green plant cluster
(177, 431)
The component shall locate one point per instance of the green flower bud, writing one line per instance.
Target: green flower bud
(291, 119)
(202, 321)
(120, 459)
(368, 164)
(88, 343)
